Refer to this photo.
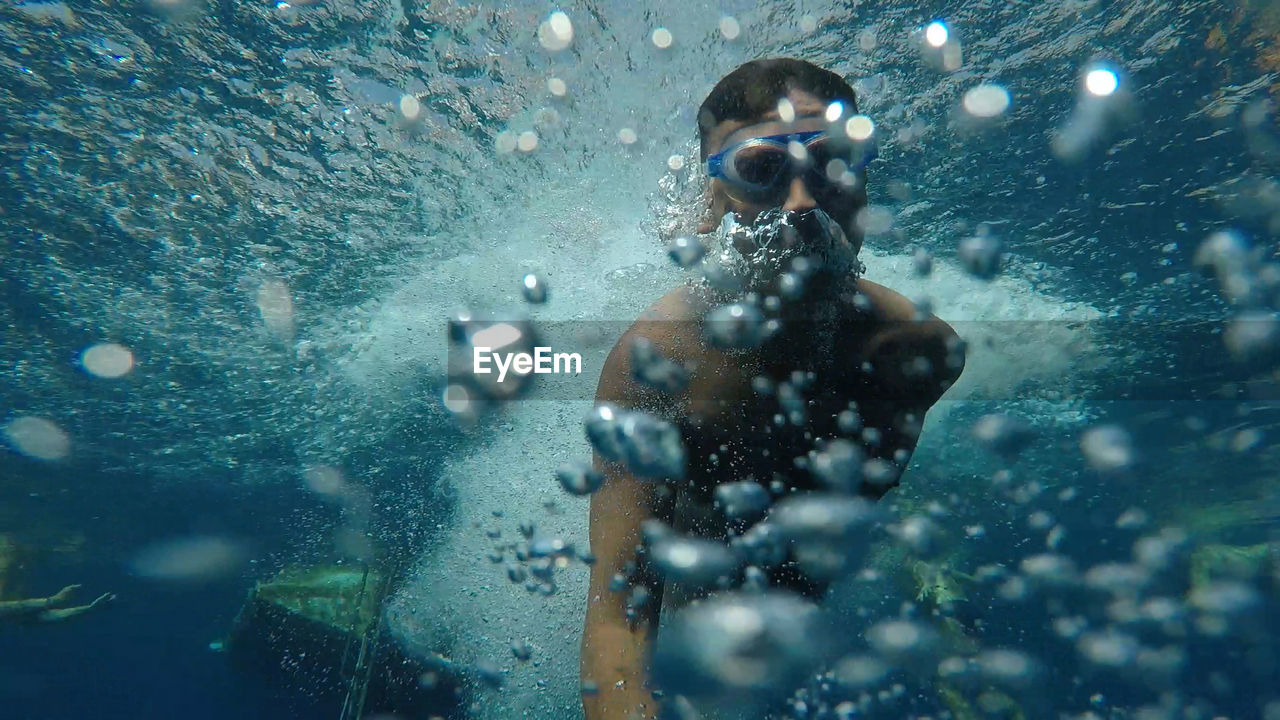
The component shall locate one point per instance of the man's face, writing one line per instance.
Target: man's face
(810, 114)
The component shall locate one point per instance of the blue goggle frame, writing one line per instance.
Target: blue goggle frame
(720, 164)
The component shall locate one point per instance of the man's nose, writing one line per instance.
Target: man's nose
(799, 198)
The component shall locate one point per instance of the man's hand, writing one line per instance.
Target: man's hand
(62, 595)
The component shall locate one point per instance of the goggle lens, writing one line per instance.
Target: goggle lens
(763, 171)
(759, 164)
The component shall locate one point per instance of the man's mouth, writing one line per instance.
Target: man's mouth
(757, 255)
(779, 234)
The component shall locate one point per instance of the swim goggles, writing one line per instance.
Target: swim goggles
(761, 169)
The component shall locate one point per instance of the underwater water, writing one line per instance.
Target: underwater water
(235, 235)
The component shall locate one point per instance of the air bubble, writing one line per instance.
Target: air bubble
(1050, 569)
(901, 640)
(534, 289)
(648, 366)
(743, 501)
(1101, 82)
(920, 534)
(735, 326)
(1107, 448)
(860, 671)
(1109, 648)
(922, 260)
(692, 561)
(838, 466)
(874, 220)
(579, 478)
(980, 255)
(521, 650)
(1003, 435)
(1253, 336)
(107, 360)
(859, 128)
(38, 438)
(686, 251)
(556, 32)
(189, 559)
(829, 532)
(1225, 598)
(936, 34)
(986, 101)
(786, 111)
(410, 107)
(458, 401)
(735, 651)
(730, 28)
(325, 480)
(1131, 519)
(601, 425)
(275, 306)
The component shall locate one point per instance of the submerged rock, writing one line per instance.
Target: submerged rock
(317, 631)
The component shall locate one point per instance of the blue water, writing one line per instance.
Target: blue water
(149, 652)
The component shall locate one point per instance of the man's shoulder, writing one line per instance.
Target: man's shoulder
(890, 307)
(901, 338)
(681, 304)
(887, 304)
(672, 324)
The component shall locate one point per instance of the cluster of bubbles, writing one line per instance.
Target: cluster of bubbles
(1251, 284)
(42, 439)
(351, 537)
(779, 245)
(649, 446)
(532, 558)
(748, 646)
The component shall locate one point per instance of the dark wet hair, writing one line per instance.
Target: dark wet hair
(755, 88)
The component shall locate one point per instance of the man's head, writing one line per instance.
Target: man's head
(744, 105)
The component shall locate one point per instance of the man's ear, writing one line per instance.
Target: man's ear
(716, 209)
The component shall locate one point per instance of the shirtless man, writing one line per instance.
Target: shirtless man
(851, 340)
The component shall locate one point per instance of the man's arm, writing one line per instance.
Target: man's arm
(32, 606)
(915, 360)
(615, 649)
(60, 614)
